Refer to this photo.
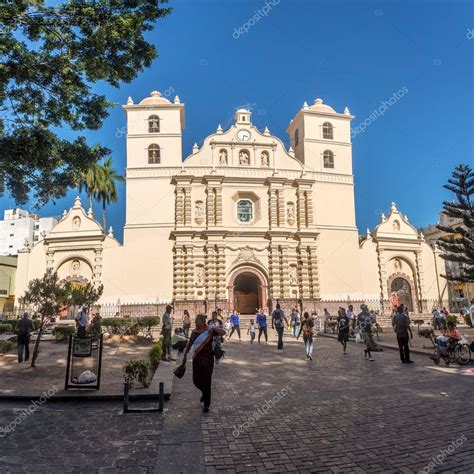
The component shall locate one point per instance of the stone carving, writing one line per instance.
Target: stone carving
(223, 157)
(293, 276)
(290, 213)
(244, 157)
(199, 211)
(397, 264)
(396, 226)
(199, 275)
(76, 223)
(265, 159)
(75, 267)
(247, 254)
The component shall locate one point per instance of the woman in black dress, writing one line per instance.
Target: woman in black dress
(203, 357)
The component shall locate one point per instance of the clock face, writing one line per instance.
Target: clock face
(243, 135)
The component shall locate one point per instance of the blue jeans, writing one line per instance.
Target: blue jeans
(295, 329)
(308, 344)
(23, 346)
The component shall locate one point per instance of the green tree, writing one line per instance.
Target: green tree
(51, 56)
(107, 190)
(46, 296)
(458, 244)
(87, 294)
(89, 181)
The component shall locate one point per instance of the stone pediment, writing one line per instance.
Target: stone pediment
(395, 226)
(76, 224)
(243, 146)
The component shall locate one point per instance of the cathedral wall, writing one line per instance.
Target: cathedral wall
(30, 265)
(369, 270)
(339, 264)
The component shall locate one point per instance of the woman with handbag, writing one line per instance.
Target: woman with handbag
(203, 357)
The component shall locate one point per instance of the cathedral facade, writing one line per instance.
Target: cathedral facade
(243, 222)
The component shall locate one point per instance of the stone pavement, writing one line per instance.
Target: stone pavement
(272, 411)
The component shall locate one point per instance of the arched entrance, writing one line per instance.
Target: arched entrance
(246, 293)
(247, 290)
(401, 293)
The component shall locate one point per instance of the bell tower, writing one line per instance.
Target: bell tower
(154, 132)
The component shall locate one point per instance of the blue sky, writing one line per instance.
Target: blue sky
(354, 53)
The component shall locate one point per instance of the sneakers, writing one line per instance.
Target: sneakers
(310, 358)
(205, 409)
(371, 359)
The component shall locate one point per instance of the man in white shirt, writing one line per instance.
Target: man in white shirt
(82, 318)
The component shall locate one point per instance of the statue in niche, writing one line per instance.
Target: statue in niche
(293, 276)
(244, 157)
(265, 159)
(398, 264)
(199, 212)
(290, 212)
(76, 222)
(75, 267)
(396, 226)
(199, 276)
(223, 157)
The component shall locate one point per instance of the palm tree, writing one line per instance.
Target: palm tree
(107, 191)
(89, 180)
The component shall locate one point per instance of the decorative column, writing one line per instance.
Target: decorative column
(179, 207)
(189, 282)
(187, 206)
(211, 280)
(178, 273)
(220, 271)
(275, 276)
(210, 207)
(313, 273)
(384, 292)
(218, 205)
(420, 281)
(303, 272)
(96, 277)
(281, 207)
(285, 271)
(272, 214)
(309, 207)
(301, 209)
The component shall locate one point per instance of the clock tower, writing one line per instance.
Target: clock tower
(242, 117)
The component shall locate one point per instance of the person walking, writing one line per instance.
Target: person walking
(350, 314)
(471, 311)
(24, 327)
(82, 319)
(401, 326)
(364, 323)
(203, 357)
(251, 331)
(295, 321)
(306, 329)
(436, 317)
(235, 323)
(327, 318)
(262, 325)
(186, 322)
(343, 327)
(279, 322)
(166, 330)
(214, 322)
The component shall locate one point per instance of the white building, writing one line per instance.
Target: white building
(242, 222)
(19, 226)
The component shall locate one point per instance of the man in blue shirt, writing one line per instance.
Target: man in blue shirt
(235, 322)
(261, 320)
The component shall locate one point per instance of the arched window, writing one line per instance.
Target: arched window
(328, 159)
(297, 137)
(327, 131)
(154, 154)
(153, 124)
(244, 210)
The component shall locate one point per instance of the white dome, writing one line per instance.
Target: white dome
(318, 106)
(155, 99)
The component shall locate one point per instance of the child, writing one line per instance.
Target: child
(227, 326)
(251, 330)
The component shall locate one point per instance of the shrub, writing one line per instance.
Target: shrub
(121, 326)
(61, 333)
(5, 328)
(467, 319)
(146, 324)
(155, 354)
(451, 319)
(6, 346)
(96, 324)
(136, 371)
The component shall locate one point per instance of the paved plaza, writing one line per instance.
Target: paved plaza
(272, 411)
